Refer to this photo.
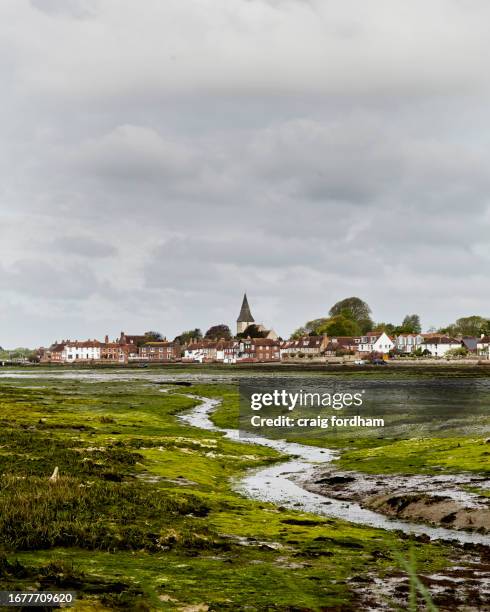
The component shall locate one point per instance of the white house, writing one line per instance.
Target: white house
(408, 343)
(227, 351)
(81, 351)
(375, 342)
(204, 350)
(483, 347)
(438, 346)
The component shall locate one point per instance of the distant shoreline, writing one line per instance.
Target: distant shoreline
(391, 367)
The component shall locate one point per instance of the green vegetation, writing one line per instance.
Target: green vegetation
(17, 353)
(474, 325)
(418, 456)
(143, 517)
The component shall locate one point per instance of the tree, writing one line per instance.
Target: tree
(252, 331)
(339, 326)
(311, 327)
(473, 325)
(153, 336)
(388, 328)
(299, 333)
(189, 336)
(218, 332)
(485, 328)
(470, 326)
(411, 324)
(355, 309)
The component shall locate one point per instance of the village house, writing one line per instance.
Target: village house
(201, 351)
(266, 349)
(163, 351)
(408, 343)
(483, 347)
(375, 342)
(342, 345)
(113, 352)
(53, 354)
(259, 350)
(76, 351)
(227, 351)
(132, 339)
(438, 345)
(313, 346)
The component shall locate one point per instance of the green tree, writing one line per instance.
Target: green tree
(411, 324)
(312, 327)
(388, 328)
(218, 332)
(339, 326)
(189, 336)
(153, 336)
(299, 333)
(485, 328)
(355, 309)
(473, 325)
(470, 326)
(252, 331)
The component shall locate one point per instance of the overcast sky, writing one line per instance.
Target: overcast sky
(158, 158)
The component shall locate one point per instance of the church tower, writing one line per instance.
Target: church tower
(245, 317)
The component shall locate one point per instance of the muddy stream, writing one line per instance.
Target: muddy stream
(275, 483)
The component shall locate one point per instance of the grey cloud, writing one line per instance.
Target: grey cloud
(301, 151)
(84, 246)
(41, 280)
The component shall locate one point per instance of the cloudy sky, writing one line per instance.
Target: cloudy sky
(159, 158)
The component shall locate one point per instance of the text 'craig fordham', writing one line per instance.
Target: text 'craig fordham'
(316, 422)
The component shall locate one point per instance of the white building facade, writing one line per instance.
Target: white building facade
(81, 351)
(438, 346)
(375, 342)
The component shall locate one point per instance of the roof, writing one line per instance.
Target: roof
(202, 344)
(343, 341)
(84, 344)
(470, 343)
(305, 342)
(227, 344)
(265, 342)
(440, 340)
(245, 315)
(56, 348)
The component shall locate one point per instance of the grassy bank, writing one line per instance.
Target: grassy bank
(142, 516)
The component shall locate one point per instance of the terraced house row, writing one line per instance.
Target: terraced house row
(129, 349)
(246, 347)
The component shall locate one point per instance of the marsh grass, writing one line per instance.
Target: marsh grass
(63, 575)
(182, 531)
(36, 513)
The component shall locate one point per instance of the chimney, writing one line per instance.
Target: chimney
(106, 339)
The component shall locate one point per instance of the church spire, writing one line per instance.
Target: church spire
(245, 315)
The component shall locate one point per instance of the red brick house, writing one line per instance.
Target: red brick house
(160, 351)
